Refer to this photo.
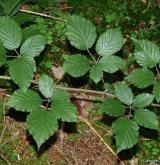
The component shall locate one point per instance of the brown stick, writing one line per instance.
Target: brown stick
(79, 90)
(100, 137)
(42, 15)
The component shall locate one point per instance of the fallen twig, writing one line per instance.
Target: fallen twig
(42, 15)
(79, 90)
(100, 137)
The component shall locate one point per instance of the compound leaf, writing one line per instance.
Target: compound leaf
(96, 72)
(124, 93)
(76, 65)
(21, 71)
(112, 107)
(62, 107)
(33, 46)
(147, 53)
(41, 125)
(111, 63)
(146, 118)
(141, 78)
(10, 33)
(25, 101)
(143, 100)
(46, 86)
(81, 32)
(109, 42)
(126, 133)
(156, 91)
(2, 55)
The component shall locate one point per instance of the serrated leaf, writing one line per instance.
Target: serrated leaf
(76, 65)
(126, 133)
(143, 100)
(112, 107)
(1, 9)
(147, 53)
(22, 18)
(123, 93)
(10, 33)
(25, 101)
(146, 118)
(156, 91)
(109, 42)
(80, 32)
(33, 46)
(141, 78)
(29, 31)
(111, 63)
(96, 72)
(46, 86)
(9, 6)
(63, 109)
(41, 125)
(2, 55)
(21, 71)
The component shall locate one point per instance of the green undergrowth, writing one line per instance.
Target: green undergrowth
(14, 147)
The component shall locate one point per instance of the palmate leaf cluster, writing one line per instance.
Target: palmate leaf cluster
(126, 129)
(130, 110)
(82, 34)
(22, 68)
(42, 122)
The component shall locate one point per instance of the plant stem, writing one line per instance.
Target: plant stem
(43, 15)
(158, 72)
(47, 105)
(130, 112)
(91, 56)
(98, 59)
(17, 53)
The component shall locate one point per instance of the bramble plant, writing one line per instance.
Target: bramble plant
(48, 105)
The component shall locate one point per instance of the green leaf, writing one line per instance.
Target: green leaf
(146, 118)
(62, 107)
(9, 6)
(111, 63)
(76, 65)
(109, 42)
(156, 91)
(25, 101)
(143, 100)
(81, 32)
(112, 107)
(33, 46)
(124, 93)
(21, 71)
(141, 78)
(41, 125)
(10, 33)
(147, 53)
(126, 133)
(2, 55)
(29, 31)
(22, 18)
(46, 86)
(96, 72)
(1, 10)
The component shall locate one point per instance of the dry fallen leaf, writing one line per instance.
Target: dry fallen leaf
(58, 72)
